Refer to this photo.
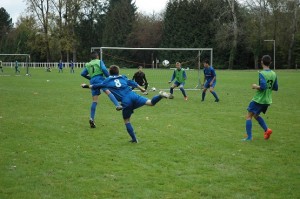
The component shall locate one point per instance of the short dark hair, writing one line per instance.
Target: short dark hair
(206, 61)
(114, 70)
(267, 60)
(94, 55)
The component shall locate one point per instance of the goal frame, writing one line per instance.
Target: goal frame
(27, 56)
(163, 49)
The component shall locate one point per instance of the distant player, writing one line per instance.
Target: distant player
(71, 65)
(262, 99)
(17, 67)
(179, 75)
(95, 71)
(1, 68)
(210, 80)
(60, 66)
(140, 78)
(120, 87)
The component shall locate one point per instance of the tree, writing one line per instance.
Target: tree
(41, 9)
(119, 22)
(6, 26)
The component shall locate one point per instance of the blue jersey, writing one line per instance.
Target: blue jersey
(209, 73)
(119, 86)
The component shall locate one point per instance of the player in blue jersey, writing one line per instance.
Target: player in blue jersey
(71, 67)
(60, 66)
(180, 76)
(95, 71)
(262, 99)
(121, 88)
(210, 80)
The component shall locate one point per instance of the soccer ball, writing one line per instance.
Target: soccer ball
(165, 63)
(153, 89)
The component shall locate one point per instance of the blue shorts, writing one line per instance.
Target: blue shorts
(206, 85)
(130, 102)
(96, 80)
(257, 108)
(178, 84)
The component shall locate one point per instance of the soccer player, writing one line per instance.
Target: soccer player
(210, 80)
(180, 76)
(95, 71)
(71, 67)
(1, 68)
(120, 87)
(140, 78)
(60, 66)
(262, 99)
(17, 67)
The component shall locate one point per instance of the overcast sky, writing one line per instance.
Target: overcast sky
(17, 7)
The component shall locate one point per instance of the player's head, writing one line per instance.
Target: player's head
(178, 65)
(114, 70)
(140, 68)
(94, 55)
(206, 63)
(266, 60)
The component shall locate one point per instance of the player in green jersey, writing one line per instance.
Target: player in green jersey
(180, 76)
(262, 99)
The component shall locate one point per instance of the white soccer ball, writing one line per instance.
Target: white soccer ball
(153, 89)
(165, 63)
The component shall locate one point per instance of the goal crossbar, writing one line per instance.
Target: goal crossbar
(162, 49)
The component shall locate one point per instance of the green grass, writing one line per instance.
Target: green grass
(187, 149)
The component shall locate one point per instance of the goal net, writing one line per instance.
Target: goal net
(158, 75)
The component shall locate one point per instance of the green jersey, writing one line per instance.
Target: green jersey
(180, 75)
(93, 68)
(267, 82)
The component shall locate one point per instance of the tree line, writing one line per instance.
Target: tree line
(54, 30)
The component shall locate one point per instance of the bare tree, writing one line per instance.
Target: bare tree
(41, 9)
(293, 32)
(231, 4)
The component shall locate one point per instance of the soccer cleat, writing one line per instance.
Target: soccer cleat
(92, 123)
(164, 94)
(247, 139)
(145, 93)
(267, 134)
(202, 100)
(119, 108)
(186, 98)
(134, 141)
(217, 100)
(85, 86)
(171, 96)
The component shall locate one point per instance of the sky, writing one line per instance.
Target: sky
(17, 7)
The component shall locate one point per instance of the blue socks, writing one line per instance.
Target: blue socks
(183, 92)
(113, 99)
(130, 131)
(249, 128)
(93, 110)
(155, 99)
(262, 123)
(215, 95)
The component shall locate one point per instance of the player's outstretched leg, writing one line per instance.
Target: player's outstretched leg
(171, 92)
(267, 131)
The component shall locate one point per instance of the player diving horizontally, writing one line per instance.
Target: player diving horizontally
(121, 88)
(96, 71)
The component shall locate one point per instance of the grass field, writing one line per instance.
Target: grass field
(186, 149)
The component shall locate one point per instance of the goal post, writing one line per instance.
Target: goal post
(160, 75)
(27, 59)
